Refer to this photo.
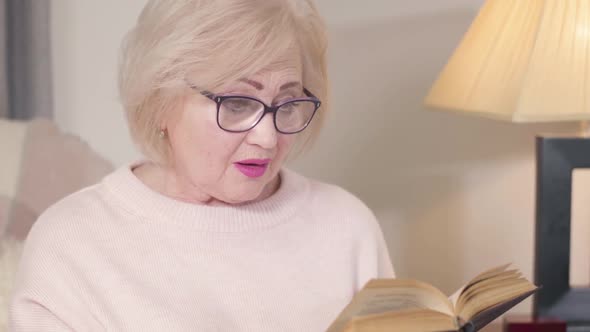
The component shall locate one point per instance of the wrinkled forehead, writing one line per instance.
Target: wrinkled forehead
(288, 63)
(224, 72)
(284, 70)
(289, 59)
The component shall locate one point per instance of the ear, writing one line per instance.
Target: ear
(171, 113)
(163, 134)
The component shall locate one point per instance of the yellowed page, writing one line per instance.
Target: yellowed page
(487, 289)
(422, 320)
(479, 278)
(488, 274)
(491, 296)
(501, 279)
(390, 295)
(455, 297)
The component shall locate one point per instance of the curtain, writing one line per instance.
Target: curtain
(3, 73)
(25, 59)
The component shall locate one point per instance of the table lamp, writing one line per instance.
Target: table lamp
(528, 61)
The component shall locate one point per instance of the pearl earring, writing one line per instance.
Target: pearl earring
(162, 134)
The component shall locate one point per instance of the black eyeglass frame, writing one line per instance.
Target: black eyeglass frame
(267, 109)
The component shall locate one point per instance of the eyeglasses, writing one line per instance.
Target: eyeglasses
(239, 114)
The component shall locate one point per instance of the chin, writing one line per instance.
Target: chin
(244, 196)
(247, 190)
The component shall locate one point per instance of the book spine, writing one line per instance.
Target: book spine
(468, 327)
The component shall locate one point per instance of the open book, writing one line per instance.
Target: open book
(410, 305)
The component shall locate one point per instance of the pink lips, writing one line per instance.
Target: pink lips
(253, 168)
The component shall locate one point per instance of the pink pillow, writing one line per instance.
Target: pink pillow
(52, 165)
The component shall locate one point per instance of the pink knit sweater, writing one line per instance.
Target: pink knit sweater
(118, 256)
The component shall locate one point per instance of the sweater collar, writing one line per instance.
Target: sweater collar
(138, 199)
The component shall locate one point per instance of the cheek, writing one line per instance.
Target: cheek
(214, 148)
(199, 144)
(285, 144)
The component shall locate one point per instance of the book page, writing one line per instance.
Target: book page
(419, 320)
(404, 294)
(487, 316)
(490, 289)
(455, 297)
(493, 296)
(479, 278)
(488, 274)
(390, 295)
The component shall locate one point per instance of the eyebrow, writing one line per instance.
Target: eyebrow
(259, 85)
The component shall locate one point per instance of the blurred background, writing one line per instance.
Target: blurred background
(454, 195)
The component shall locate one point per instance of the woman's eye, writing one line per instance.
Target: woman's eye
(237, 105)
(290, 107)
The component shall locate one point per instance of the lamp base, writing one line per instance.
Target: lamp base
(557, 158)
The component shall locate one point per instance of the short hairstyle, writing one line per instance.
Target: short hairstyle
(214, 42)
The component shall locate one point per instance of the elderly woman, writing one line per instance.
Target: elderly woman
(210, 232)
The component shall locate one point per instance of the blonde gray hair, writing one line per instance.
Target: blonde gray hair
(214, 42)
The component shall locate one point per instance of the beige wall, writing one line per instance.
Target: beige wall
(454, 195)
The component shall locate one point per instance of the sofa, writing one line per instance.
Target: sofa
(39, 165)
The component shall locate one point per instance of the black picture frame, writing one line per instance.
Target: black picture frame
(557, 158)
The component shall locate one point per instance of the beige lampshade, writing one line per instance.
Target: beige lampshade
(521, 61)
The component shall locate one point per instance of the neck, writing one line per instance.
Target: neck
(166, 181)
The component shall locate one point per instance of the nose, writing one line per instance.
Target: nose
(264, 133)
